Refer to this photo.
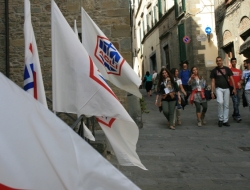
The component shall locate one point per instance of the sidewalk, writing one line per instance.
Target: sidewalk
(191, 157)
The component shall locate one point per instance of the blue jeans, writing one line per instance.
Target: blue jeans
(236, 102)
(247, 95)
(223, 103)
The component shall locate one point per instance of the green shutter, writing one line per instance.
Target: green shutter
(159, 9)
(182, 45)
(176, 8)
(184, 5)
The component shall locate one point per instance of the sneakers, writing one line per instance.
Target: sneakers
(237, 118)
(172, 127)
(199, 124)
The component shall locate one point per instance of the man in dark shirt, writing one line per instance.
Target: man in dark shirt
(184, 75)
(220, 84)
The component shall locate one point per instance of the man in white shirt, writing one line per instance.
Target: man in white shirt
(246, 80)
(154, 78)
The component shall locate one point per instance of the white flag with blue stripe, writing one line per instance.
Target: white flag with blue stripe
(33, 82)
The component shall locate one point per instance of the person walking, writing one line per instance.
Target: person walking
(154, 78)
(149, 83)
(245, 64)
(167, 88)
(184, 75)
(236, 97)
(219, 82)
(198, 95)
(181, 94)
(246, 80)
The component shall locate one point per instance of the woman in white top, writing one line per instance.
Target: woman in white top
(198, 95)
(181, 92)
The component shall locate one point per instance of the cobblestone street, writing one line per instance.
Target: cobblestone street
(192, 157)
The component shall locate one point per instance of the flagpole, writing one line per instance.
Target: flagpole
(52, 53)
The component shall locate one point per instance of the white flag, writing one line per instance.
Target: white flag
(79, 87)
(106, 57)
(39, 151)
(33, 81)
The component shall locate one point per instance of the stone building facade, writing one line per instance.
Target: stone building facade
(162, 41)
(112, 16)
(232, 19)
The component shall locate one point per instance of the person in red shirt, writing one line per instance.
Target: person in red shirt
(236, 97)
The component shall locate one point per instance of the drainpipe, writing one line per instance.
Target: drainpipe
(7, 38)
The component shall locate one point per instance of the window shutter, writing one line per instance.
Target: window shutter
(176, 8)
(182, 45)
(160, 8)
(183, 5)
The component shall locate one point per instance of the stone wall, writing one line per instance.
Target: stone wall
(228, 26)
(2, 37)
(112, 16)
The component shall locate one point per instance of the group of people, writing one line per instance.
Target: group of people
(174, 87)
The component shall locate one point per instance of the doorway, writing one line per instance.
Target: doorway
(153, 63)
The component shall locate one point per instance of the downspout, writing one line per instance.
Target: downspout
(7, 38)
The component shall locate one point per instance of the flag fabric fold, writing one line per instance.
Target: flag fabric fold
(39, 151)
(33, 81)
(108, 60)
(80, 88)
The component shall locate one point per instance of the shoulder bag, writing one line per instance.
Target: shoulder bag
(231, 88)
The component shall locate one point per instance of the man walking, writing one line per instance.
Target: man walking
(246, 80)
(184, 75)
(236, 97)
(219, 82)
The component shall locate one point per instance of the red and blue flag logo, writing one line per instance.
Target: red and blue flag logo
(30, 78)
(108, 55)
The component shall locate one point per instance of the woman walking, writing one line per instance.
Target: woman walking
(181, 94)
(149, 83)
(198, 95)
(167, 88)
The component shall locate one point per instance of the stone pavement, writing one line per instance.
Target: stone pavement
(191, 157)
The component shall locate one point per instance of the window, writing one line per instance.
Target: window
(148, 22)
(182, 45)
(155, 14)
(229, 53)
(143, 28)
(180, 7)
(167, 57)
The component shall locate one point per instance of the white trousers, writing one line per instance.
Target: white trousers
(223, 96)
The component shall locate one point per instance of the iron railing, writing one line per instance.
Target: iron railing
(77, 126)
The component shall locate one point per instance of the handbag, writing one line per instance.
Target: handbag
(231, 88)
